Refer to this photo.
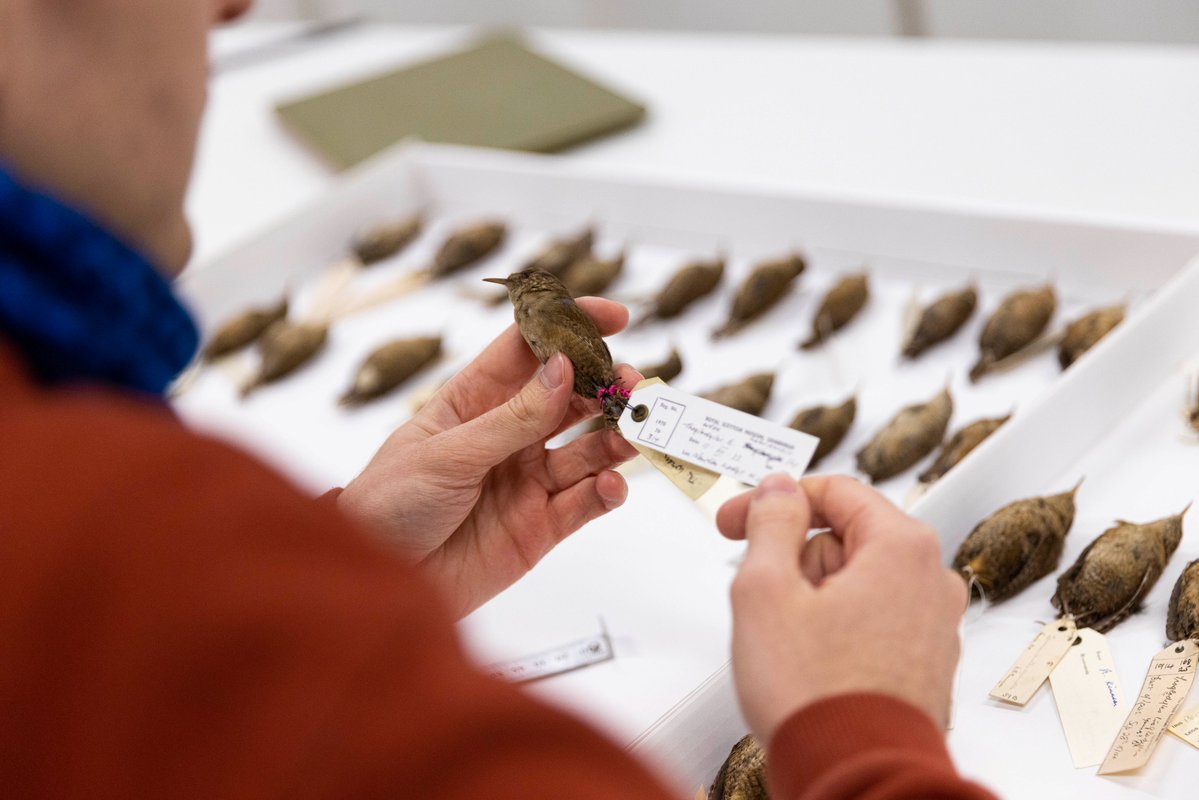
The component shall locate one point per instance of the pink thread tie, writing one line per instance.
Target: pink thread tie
(613, 391)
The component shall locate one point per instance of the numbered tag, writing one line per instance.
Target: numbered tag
(1186, 726)
(1166, 685)
(1037, 661)
(713, 437)
(1089, 698)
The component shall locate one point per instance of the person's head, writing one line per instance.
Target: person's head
(100, 102)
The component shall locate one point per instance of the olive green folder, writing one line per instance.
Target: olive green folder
(496, 93)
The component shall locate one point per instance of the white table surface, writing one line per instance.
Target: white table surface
(1105, 130)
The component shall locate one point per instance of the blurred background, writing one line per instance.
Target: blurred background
(1164, 21)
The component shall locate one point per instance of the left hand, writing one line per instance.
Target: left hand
(468, 488)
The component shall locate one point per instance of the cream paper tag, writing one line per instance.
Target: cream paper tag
(1186, 726)
(698, 432)
(1089, 698)
(694, 481)
(1037, 661)
(691, 479)
(1170, 675)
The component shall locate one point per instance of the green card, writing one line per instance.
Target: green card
(497, 93)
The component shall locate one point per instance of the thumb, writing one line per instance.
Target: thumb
(532, 415)
(776, 524)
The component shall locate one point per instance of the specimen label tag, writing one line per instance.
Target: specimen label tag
(714, 437)
(1089, 698)
(1034, 665)
(1186, 726)
(1170, 675)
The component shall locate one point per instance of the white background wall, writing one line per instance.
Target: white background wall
(1171, 21)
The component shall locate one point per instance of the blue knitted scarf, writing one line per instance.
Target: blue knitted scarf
(79, 304)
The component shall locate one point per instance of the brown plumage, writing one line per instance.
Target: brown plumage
(1192, 412)
(750, 395)
(468, 245)
(1021, 318)
(1182, 618)
(911, 435)
(591, 276)
(1114, 573)
(559, 254)
(285, 347)
(838, 308)
(243, 330)
(668, 370)
(693, 282)
(960, 445)
(389, 366)
(1083, 333)
(386, 240)
(941, 320)
(742, 776)
(1018, 544)
(551, 322)
(829, 424)
(764, 287)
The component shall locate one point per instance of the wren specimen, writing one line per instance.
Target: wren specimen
(742, 776)
(551, 322)
(1017, 545)
(1116, 571)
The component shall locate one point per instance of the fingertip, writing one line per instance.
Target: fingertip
(612, 489)
(628, 375)
(609, 316)
(776, 483)
(730, 517)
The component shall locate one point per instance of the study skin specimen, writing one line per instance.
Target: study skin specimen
(1018, 544)
(551, 322)
(389, 366)
(1114, 573)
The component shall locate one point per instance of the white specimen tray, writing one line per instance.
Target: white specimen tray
(656, 571)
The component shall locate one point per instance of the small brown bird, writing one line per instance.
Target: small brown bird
(838, 308)
(390, 365)
(1182, 619)
(749, 395)
(551, 322)
(386, 239)
(1116, 571)
(285, 347)
(1085, 332)
(243, 330)
(941, 320)
(829, 424)
(911, 435)
(692, 282)
(960, 445)
(592, 276)
(667, 370)
(742, 776)
(559, 254)
(1022, 316)
(762, 289)
(468, 245)
(1018, 544)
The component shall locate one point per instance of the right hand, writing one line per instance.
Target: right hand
(868, 607)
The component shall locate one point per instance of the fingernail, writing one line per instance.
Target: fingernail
(551, 373)
(777, 484)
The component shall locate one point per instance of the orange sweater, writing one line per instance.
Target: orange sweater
(178, 621)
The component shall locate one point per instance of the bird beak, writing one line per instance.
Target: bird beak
(501, 281)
